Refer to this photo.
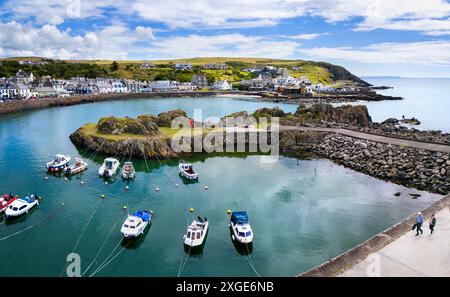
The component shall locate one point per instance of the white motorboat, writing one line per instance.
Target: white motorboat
(136, 223)
(187, 170)
(76, 168)
(128, 171)
(58, 163)
(109, 167)
(21, 205)
(242, 231)
(196, 233)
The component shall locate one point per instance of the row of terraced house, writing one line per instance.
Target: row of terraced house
(27, 86)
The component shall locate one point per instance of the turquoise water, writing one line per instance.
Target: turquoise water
(427, 99)
(302, 212)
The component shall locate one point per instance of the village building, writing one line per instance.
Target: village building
(147, 65)
(199, 80)
(183, 66)
(216, 66)
(118, 87)
(222, 85)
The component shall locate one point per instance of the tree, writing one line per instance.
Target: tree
(114, 66)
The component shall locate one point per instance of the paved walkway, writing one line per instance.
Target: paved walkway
(410, 255)
(377, 138)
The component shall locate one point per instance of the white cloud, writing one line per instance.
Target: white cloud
(307, 36)
(418, 15)
(227, 45)
(117, 41)
(145, 33)
(418, 53)
(48, 41)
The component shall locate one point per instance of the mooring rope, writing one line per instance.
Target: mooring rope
(97, 150)
(100, 267)
(102, 246)
(29, 227)
(82, 232)
(250, 261)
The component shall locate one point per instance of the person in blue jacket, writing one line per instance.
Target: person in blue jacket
(419, 222)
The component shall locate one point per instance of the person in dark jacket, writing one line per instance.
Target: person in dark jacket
(432, 223)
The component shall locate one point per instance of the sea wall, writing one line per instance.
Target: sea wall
(420, 169)
(24, 105)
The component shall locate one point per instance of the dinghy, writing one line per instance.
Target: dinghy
(58, 164)
(242, 232)
(196, 233)
(21, 205)
(76, 168)
(5, 201)
(109, 167)
(128, 170)
(136, 223)
(187, 171)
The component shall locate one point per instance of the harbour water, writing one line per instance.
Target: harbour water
(302, 212)
(427, 99)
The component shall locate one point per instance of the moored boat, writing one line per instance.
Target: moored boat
(196, 233)
(22, 205)
(128, 171)
(187, 170)
(58, 163)
(136, 223)
(6, 200)
(76, 168)
(109, 167)
(242, 231)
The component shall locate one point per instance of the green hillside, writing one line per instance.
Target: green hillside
(317, 72)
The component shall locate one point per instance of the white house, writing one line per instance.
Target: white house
(222, 85)
(183, 66)
(165, 85)
(104, 86)
(187, 86)
(23, 91)
(118, 87)
(24, 77)
(7, 90)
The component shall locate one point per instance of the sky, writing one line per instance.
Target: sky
(409, 38)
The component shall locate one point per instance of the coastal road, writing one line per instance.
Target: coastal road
(376, 138)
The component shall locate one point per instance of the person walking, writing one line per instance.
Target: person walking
(419, 222)
(432, 223)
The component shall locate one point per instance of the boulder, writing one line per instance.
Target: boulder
(165, 118)
(269, 112)
(352, 115)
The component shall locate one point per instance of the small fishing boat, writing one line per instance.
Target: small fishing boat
(128, 171)
(58, 163)
(242, 231)
(76, 168)
(5, 201)
(187, 171)
(136, 223)
(196, 233)
(109, 167)
(22, 205)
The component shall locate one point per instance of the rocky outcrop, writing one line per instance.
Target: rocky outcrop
(165, 118)
(352, 115)
(269, 112)
(143, 125)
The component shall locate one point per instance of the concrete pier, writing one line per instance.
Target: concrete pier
(397, 251)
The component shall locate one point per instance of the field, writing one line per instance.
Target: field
(317, 72)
